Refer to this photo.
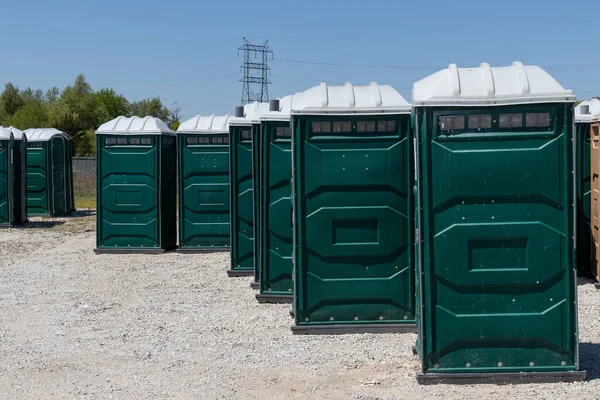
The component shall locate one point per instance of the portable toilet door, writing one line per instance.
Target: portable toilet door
(136, 189)
(495, 221)
(585, 113)
(257, 185)
(47, 171)
(69, 175)
(275, 219)
(204, 216)
(20, 175)
(594, 132)
(7, 201)
(352, 206)
(241, 188)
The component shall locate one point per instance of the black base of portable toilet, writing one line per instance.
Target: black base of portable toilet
(504, 378)
(136, 251)
(274, 298)
(349, 329)
(236, 273)
(255, 285)
(202, 250)
(597, 285)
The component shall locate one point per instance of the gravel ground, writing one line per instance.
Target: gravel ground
(77, 325)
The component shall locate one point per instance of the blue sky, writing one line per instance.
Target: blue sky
(186, 51)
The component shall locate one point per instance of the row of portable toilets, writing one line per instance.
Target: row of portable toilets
(454, 216)
(36, 174)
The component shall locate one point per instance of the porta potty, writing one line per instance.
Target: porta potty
(352, 183)
(241, 161)
(593, 120)
(204, 184)
(496, 276)
(7, 198)
(48, 171)
(275, 222)
(136, 195)
(20, 175)
(257, 184)
(586, 113)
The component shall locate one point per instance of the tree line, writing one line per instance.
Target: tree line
(77, 110)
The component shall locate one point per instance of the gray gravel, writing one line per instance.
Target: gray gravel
(77, 325)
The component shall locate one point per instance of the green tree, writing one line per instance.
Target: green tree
(31, 115)
(115, 104)
(149, 107)
(173, 119)
(52, 95)
(11, 100)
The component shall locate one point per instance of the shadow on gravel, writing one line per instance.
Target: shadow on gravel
(80, 214)
(589, 359)
(44, 224)
(584, 280)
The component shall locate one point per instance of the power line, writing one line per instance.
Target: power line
(388, 66)
(180, 76)
(189, 88)
(419, 33)
(557, 67)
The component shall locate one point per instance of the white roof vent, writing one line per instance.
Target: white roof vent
(206, 125)
(134, 126)
(349, 99)
(485, 85)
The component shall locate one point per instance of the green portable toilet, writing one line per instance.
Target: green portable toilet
(7, 198)
(204, 184)
(256, 190)
(48, 165)
(585, 113)
(275, 219)
(352, 174)
(70, 184)
(496, 276)
(242, 129)
(20, 175)
(136, 195)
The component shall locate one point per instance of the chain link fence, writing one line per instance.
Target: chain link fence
(84, 178)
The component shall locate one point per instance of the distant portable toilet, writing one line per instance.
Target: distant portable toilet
(48, 171)
(588, 121)
(70, 183)
(496, 277)
(204, 184)
(7, 198)
(586, 113)
(136, 196)
(352, 184)
(20, 175)
(242, 129)
(275, 219)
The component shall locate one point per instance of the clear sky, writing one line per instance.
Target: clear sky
(186, 51)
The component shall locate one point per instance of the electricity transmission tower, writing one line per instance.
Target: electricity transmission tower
(256, 71)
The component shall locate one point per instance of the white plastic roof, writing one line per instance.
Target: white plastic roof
(17, 133)
(485, 85)
(4, 133)
(205, 124)
(252, 114)
(593, 111)
(285, 109)
(350, 99)
(43, 134)
(134, 126)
